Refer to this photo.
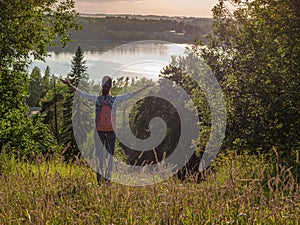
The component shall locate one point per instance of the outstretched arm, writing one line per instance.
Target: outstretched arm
(89, 97)
(72, 87)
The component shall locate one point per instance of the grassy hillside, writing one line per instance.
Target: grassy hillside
(241, 190)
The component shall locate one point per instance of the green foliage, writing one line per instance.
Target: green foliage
(77, 76)
(180, 72)
(7, 163)
(47, 81)
(254, 53)
(140, 116)
(52, 106)
(35, 88)
(39, 86)
(26, 28)
(25, 137)
(78, 68)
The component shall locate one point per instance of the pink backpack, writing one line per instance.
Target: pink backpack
(105, 120)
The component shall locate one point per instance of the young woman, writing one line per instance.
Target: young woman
(104, 122)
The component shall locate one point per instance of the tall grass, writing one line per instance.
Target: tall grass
(241, 190)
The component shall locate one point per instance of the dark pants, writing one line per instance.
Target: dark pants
(104, 154)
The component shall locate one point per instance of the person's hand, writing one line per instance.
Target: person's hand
(67, 82)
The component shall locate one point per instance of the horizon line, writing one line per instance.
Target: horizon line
(143, 15)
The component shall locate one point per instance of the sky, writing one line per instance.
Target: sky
(194, 8)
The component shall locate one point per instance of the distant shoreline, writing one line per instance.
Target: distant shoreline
(148, 16)
(127, 28)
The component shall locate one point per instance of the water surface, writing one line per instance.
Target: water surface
(135, 59)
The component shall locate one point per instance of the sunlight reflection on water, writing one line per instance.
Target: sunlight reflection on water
(102, 62)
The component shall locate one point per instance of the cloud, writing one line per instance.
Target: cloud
(145, 7)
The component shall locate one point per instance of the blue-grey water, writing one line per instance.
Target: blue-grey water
(135, 59)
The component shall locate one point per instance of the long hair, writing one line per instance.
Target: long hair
(106, 85)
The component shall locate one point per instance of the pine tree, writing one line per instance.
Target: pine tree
(46, 81)
(35, 88)
(78, 74)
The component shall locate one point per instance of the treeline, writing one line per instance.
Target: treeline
(185, 30)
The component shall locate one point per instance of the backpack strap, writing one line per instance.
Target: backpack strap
(108, 101)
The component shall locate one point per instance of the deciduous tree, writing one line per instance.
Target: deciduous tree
(254, 52)
(26, 29)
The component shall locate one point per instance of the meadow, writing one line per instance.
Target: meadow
(241, 189)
